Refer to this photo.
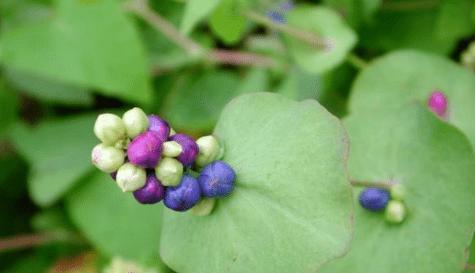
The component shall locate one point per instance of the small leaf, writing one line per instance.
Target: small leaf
(93, 44)
(435, 163)
(227, 23)
(325, 24)
(59, 152)
(406, 76)
(195, 11)
(291, 209)
(114, 221)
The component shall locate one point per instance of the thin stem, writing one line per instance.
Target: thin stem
(304, 36)
(409, 5)
(383, 185)
(143, 10)
(356, 61)
(23, 241)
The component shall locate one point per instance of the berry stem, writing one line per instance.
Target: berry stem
(304, 36)
(229, 57)
(356, 61)
(23, 241)
(382, 185)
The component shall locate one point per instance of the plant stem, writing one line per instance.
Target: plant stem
(23, 241)
(356, 61)
(383, 185)
(409, 5)
(230, 57)
(304, 36)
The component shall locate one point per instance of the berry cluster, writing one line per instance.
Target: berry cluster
(378, 199)
(145, 156)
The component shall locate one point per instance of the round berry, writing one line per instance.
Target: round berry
(136, 122)
(374, 199)
(189, 146)
(158, 125)
(438, 103)
(217, 179)
(145, 150)
(209, 150)
(106, 158)
(184, 196)
(169, 171)
(110, 129)
(153, 191)
(395, 212)
(130, 177)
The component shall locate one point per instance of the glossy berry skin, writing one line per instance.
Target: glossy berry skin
(374, 199)
(217, 179)
(153, 191)
(189, 146)
(158, 125)
(438, 103)
(145, 150)
(184, 196)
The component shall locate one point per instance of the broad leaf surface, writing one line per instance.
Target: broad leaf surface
(92, 43)
(327, 25)
(113, 221)
(406, 76)
(59, 152)
(196, 11)
(435, 163)
(226, 22)
(292, 207)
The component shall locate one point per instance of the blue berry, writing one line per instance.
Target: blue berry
(374, 199)
(160, 126)
(184, 196)
(152, 192)
(189, 149)
(276, 16)
(217, 179)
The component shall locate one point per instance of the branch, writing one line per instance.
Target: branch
(356, 61)
(382, 185)
(23, 241)
(143, 10)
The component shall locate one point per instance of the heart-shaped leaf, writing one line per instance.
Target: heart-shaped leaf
(407, 76)
(59, 152)
(435, 163)
(92, 43)
(291, 210)
(329, 27)
(113, 221)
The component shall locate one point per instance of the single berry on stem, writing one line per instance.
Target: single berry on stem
(169, 171)
(209, 150)
(437, 103)
(110, 129)
(189, 146)
(395, 212)
(106, 158)
(130, 177)
(374, 199)
(184, 196)
(152, 192)
(217, 179)
(160, 126)
(136, 122)
(145, 150)
(171, 149)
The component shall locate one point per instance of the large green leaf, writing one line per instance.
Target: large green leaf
(88, 43)
(59, 152)
(227, 23)
(407, 76)
(8, 108)
(327, 25)
(434, 161)
(291, 210)
(114, 221)
(356, 12)
(195, 11)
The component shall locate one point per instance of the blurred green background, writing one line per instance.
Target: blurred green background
(64, 61)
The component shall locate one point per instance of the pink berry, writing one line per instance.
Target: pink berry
(438, 103)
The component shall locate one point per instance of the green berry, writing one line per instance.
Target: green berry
(395, 212)
(136, 122)
(169, 171)
(171, 149)
(204, 207)
(398, 192)
(110, 129)
(130, 177)
(106, 158)
(209, 150)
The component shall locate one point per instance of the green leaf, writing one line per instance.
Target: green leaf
(113, 221)
(196, 11)
(406, 76)
(49, 90)
(256, 80)
(291, 209)
(454, 19)
(328, 26)
(59, 152)
(357, 12)
(196, 102)
(471, 258)
(300, 85)
(435, 163)
(87, 43)
(227, 23)
(9, 108)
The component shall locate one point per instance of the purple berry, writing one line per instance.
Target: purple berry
(113, 175)
(276, 16)
(158, 125)
(184, 196)
(217, 179)
(189, 146)
(145, 150)
(153, 191)
(374, 199)
(438, 103)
